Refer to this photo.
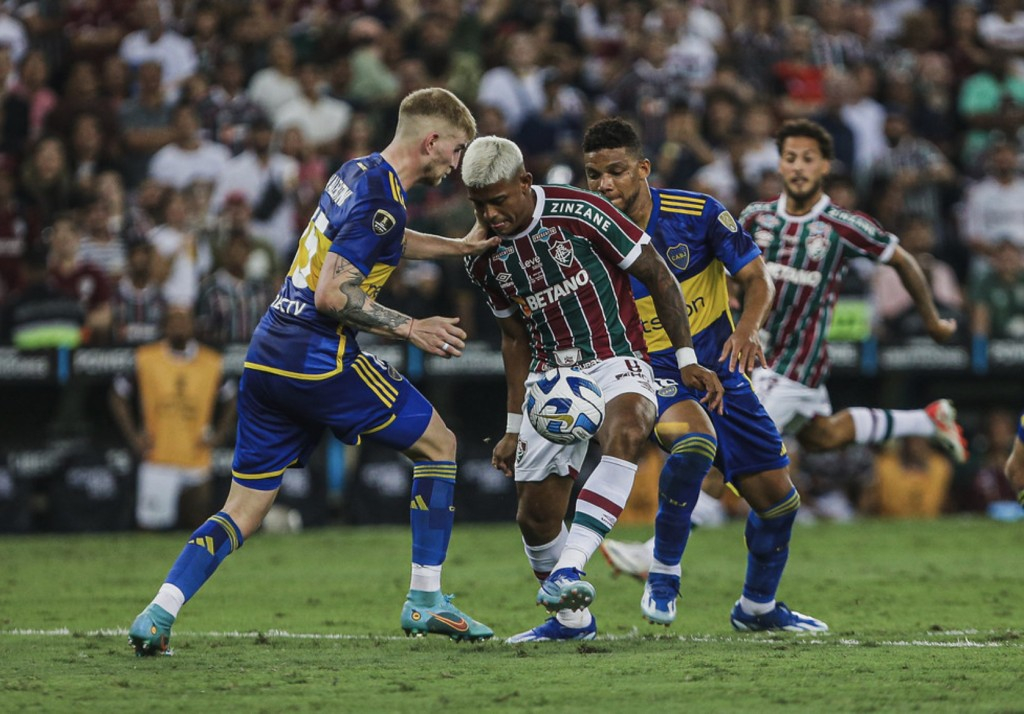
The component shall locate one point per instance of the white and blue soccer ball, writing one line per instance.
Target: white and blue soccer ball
(565, 406)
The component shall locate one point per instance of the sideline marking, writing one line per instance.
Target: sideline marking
(963, 637)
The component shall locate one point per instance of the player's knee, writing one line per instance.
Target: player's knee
(819, 434)
(625, 438)
(537, 527)
(769, 531)
(691, 458)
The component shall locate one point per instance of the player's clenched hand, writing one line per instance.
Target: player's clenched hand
(477, 241)
(941, 330)
(743, 349)
(504, 456)
(697, 377)
(439, 336)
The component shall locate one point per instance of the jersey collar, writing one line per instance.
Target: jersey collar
(815, 211)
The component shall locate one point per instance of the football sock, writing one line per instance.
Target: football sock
(678, 489)
(432, 513)
(211, 543)
(597, 508)
(767, 534)
(425, 577)
(543, 557)
(874, 426)
(574, 618)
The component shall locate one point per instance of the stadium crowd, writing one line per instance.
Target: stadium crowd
(160, 154)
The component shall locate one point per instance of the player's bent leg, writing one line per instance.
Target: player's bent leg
(824, 433)
(432, 514)
(221, 534)
(768, 532)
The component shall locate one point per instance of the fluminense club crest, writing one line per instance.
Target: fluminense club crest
(817, 246)
(561, 251)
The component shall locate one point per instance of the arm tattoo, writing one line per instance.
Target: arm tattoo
(360, 311)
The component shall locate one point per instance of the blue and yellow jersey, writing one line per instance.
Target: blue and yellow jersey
(361, 216)
(699, 240)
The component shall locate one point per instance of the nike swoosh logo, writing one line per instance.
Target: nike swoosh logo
(460, 625)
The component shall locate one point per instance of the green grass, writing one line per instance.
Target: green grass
(897, 595)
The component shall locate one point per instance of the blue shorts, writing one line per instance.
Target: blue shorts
(748, 441)
(281, 419)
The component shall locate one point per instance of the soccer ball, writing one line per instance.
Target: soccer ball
(565, 406)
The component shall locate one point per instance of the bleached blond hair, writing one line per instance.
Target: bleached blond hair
(490, 160)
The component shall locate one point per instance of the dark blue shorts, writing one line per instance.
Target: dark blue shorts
(748, 441)
(281, 419)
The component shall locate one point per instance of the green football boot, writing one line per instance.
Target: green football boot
(151, 632)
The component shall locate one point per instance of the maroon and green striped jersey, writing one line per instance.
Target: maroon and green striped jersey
(807, 257)
(566, 273)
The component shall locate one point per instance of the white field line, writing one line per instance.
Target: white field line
(963, 638)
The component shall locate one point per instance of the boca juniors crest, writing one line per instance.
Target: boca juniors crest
(679, 256)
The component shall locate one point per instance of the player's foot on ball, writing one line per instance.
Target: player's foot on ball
(150, 633)
(630, 558)
(658, 603)
(433, 614)
(552, 630)
(948, 433)
(781, 618)
(563, 590)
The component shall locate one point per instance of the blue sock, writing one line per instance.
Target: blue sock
(767, 535)
(432, 512)
(212, 542)
(678, 489)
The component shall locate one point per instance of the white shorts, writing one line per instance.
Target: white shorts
(160, 487)
(537, 458)
(789, 404)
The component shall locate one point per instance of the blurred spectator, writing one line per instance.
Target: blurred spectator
(991, 105)
(231, 303)
(33, 86)
(559, 123)
(1002, 27)
(176, 262)
(888, 16)
(373, 81)
(145, 124)
(895, 313)
(993, 207)
(137, 302)
(274, 86)
(865, 116)
(95, 28)
(80, 94)
(321, 119)
(14, 130)
(131, 220)
(18, 229)
(967, 54)
(997, 296)
(684, 150)
(101, 243)
(989, 483)
(432, 39)
(312, 176)
(39, 315)
(206, 35)
(89, 151)
(12, 33)
(116, 81)
(799, 86)
(47, 188)
(266, 180)
(155, 42)
(516, 87)
(180, 389)
(760, 154)
(834, 46)
(78, 279)
(912, 480)
(918, 169)
(188, 158)
(359, 138)
(758, 42)
(227, 110)
(838, 92)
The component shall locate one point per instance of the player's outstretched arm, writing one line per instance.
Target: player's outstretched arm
(515, 353)
(425, 246)
(340, 295)
(667, 296)
(914, 281)
(743, 347)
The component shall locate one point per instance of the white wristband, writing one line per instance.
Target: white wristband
(513, 423)
(685, 356)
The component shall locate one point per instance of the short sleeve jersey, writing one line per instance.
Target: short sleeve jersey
(699, 240)
(361, 216)
(807, 258)
(566, 274)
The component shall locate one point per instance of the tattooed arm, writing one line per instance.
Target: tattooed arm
(339, 294)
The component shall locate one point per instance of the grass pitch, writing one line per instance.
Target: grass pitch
(925, 616)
